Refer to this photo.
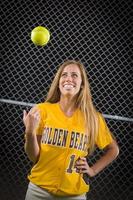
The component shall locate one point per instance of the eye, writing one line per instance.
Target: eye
(64, 75)
(74, 75)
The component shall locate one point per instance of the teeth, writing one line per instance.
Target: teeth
(68, 86)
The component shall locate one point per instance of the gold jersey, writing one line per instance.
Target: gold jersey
(63, 141)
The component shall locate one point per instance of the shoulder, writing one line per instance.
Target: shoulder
(100, 116)
(101, 119)
(44, 108)
(45, 105)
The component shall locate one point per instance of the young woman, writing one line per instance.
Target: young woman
(61, 133)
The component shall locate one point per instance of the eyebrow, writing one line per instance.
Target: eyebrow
(71, 72)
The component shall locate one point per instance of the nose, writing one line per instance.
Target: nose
(69, 78)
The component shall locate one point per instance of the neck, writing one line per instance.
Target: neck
(67, 105)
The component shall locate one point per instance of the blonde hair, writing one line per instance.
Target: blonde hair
(83, 102)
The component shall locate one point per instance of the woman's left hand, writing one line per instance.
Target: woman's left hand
(83, 167)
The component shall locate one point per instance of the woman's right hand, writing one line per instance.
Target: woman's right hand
(31, 120)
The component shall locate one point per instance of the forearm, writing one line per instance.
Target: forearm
(110, 154)
(31, 147)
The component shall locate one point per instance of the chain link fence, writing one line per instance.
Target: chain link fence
(99, 34)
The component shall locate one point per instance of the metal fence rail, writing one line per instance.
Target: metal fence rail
(32, 104)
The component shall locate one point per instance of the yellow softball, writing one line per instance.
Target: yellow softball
(40, 36)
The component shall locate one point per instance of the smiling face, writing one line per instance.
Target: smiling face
(70, 80)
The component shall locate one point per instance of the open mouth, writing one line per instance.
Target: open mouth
(68, 86)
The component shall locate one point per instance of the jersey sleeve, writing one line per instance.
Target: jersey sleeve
(104, 136)
(41, 124)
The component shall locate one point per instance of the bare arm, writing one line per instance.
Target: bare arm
(32, 141)
(32, 147)
(111, 153)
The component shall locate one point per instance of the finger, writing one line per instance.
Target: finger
(81, 166)
(84, 171)
(83, 158)
(24, 113)
(81, 161)
(81, 171)
(34, 113)
(27, 109)
(33, 109)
